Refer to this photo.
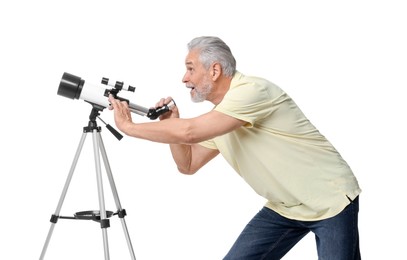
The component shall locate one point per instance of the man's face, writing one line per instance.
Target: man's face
(197, 78)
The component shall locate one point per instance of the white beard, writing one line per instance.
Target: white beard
(203, 94)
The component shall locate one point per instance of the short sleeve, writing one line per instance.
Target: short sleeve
(209, 144)
(248, 101)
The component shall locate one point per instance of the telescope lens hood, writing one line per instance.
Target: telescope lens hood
(70, 86)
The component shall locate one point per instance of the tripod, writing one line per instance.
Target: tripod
(101, 216)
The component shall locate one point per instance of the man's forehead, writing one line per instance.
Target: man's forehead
(192, 58)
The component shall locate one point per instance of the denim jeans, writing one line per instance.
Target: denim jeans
(269, 236)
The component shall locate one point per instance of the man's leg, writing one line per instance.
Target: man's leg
(338, 237)
(267, 236)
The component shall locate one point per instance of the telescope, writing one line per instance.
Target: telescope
(74, 87)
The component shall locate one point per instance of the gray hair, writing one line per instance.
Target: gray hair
(212, 49)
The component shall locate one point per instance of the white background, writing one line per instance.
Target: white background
(344, 62)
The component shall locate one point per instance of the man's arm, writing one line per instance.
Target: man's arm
(182, 134)
(191, 157)
(175, 130)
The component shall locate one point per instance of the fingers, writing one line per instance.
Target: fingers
(111, 100)
(122, 115)
(116, 104)
(163, 101)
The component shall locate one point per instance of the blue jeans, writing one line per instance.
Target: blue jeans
(269, 236)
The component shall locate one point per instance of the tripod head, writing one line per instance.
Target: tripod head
(92, 125)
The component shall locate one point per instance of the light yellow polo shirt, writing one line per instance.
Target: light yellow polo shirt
(281, 155)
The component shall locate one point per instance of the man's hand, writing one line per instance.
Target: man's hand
(173, 113)
(122, 115)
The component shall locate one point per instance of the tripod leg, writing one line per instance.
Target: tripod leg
(103, 218)
(54, 217)
(116, 197)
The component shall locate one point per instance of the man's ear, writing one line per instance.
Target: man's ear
(216, 71)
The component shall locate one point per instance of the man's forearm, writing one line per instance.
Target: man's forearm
(181, 153)
(170, 131)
